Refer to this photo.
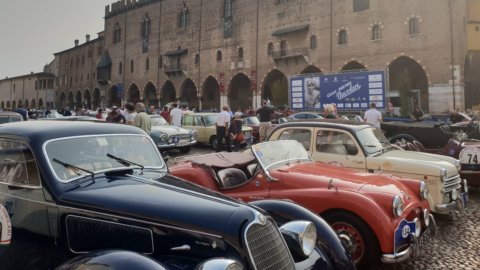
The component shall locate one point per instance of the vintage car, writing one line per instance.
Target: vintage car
(204, 124)
(254, 123)
(8, 117)
(364, 148)
(305, 115)
(102, 195)
(168, 137)
(430, 134)
(375, 216)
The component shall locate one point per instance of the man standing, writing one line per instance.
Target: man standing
(265, 114)
(165, 114)
(221, 124)
(142, 119)
(373, 116)
(176, 116)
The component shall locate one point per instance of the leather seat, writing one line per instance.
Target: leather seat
(252, 168)
(232, 177)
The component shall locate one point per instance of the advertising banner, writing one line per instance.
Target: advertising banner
(348, 91)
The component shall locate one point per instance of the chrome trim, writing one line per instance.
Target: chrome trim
(297, 230)
(219, 264)
(175, 145)
(92, 136)
(109, 222)
(397, 257)
(458, 204)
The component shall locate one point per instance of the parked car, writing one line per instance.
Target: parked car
(74, 118)
(254, 123)
(430, 134)
(204, 124)
(9, 117)
(368, 212)
(305, 115)
(101, 194)
(364, 148)
(168, 137)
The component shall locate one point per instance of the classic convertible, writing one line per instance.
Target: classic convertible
(375, 216)
(102, 195)
(364, 148)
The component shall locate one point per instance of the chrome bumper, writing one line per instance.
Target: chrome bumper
(175, 145)
(398, 257)
(459, 204)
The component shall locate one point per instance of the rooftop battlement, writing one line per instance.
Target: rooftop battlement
(125, 5)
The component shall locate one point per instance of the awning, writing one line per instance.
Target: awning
(105, 61)
(292, 29)
(176, 52)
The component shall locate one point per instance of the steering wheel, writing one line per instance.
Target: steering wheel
(472, 125)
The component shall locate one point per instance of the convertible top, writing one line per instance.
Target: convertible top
(221, 160)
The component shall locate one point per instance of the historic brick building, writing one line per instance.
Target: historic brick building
(214, 52)
(35, 90)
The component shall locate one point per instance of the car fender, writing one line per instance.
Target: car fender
(5, 230)
(112, 259)
(287, 211)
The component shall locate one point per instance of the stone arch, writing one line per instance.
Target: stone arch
(240, 94)
(133, 94)
(275, 88)
(26, 104)
(20, 104)
(87, 99)
(78, 100)
(9, 106)
(311, 69)
(168, 93)
(40, 103)
(210, 94)
(353, 65)
(150, 95)
(189, 93)
(405, 72)
(2, 105)
(33, 103)
(70, 102)
(63, 100)
(96, 98)
(114, 96)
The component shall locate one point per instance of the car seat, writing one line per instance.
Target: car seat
(232, 177)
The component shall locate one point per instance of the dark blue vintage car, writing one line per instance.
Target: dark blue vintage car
(78, 195)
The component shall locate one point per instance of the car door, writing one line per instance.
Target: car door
(337, 147)
(22, 194)
(255, 189)
(199, 126)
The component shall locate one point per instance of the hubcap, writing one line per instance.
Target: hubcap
(351, 240)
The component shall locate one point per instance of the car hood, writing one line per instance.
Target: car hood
(411, 161)
(347, 179)
(170, 130)
(169, 201)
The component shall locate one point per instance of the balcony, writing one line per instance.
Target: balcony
(290, 54)
(173, 70)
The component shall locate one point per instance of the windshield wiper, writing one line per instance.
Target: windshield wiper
(74, 168)
(125, 162)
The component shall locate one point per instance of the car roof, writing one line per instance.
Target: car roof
(43, 130)
(351, 126)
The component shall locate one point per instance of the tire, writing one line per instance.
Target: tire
(355, 234)
(399, 137)
(185, 150)
(213, 142)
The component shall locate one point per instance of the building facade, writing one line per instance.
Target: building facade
(32, 91)
(212, 52)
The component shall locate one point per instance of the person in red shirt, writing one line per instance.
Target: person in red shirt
(99, 114)
(165, 114)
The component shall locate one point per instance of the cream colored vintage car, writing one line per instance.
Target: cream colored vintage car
(204, 124)
(365, 148)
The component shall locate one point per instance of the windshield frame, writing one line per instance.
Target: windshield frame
(368, 153)
(163, 168)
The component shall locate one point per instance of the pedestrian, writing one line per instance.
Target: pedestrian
(330, 112)
(221, 125)
(152, 110)
(265, 114)
(67, 112)
(373, 116)
(251, 111)
(142, 119)
(99, 114)
(166, 114)
(115, 116)
(417, 114)
(176, 116)
(235, 131)
(130, 113)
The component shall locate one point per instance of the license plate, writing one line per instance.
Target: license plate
(182, 143)
(470, 155)
(425, 238)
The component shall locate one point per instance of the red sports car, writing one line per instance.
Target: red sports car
(375, 216)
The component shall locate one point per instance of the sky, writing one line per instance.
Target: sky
(31, 31)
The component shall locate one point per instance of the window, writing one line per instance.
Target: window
(88, 77)
(89, 53)
(131, 66)
(360, 5)
(240, 53)
(270, 48)
(313, 42)
(147, 64)
(71, 63)
(413, 26)
(376, 32)
(78, 61)
(282, 1)
(99, 50)
(303, 136)
(335, 142)
(197, 59)
(160, 62)
(219, 56)
(17, 166)
(145, 27)
(228, 8)
(83, 59)
(342, 37)
(477, 28)
(188, 120)
(117, 33)
(183, 18)
(120, 68)
(283, 48)
(197, 121)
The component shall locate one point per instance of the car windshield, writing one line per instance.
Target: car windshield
(372, 140)
(158, 121)
(92, 154)
(210, 119)
(9, 119)
(252, 121)
(274, 154)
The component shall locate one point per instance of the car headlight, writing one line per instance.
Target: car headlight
(397, 206)
(418, 227)
(426, 217)
(423, 191)
(301, 236)
(220, 264)
(443, 174)
(194, 135)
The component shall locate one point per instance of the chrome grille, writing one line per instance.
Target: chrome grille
(452, 183)
(267, 247)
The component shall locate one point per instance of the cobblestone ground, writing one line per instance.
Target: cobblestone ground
(456, 246)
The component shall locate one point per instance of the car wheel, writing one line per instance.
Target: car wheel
(213, 142)
(357, 237)
(185, 150)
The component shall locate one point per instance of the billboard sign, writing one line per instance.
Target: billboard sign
(348, 91)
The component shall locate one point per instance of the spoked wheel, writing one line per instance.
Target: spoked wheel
(357, 237)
